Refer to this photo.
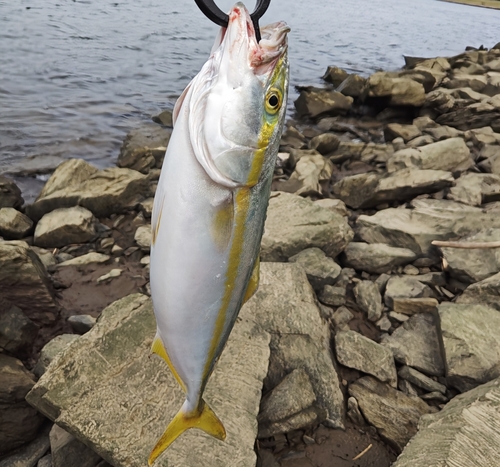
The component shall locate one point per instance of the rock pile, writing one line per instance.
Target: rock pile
(360, 323)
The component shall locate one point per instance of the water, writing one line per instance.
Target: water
(76, 75)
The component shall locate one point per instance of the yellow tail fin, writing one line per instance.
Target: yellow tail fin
(204, 419)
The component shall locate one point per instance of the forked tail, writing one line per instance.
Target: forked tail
(203, 419)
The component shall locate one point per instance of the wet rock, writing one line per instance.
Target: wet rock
(309, 171)
(411, 306)
(17, 332)
(294, 223)
(88, 258)
(397, 130)
(14, 225)
(369, 299)
(320, 269)
(394, 414)
(67, 450)
(470, 336)
(324, 143)
(29, 454)
(51, 350)
(143, 237)
(476, 189)
(20, 422)
(65, 226)
(163, 118)
(354, 86)
(335, 75)
(10, 194)
(81, 323)
(485, 292)
(451, 155)
(464, 433)
(144, 148)
(25, 283)
(399, 91)
(376, 257)
(356, 351)
(315, 102)
(334, 296)
(104, 192)
(420, 380)
(404, 287)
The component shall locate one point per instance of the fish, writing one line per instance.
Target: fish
(210, 207)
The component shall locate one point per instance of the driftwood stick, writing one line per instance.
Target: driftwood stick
(466, 245)
(362, 453)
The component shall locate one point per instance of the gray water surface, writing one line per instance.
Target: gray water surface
(76, 75)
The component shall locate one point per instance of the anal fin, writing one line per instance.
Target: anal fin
(159, 349)
(253, 284)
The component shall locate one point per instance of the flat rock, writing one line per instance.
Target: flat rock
(81, 323)
(465, 433)
(333, 296)
(25, 282)
(315, 102)
(65, 226)
(294, 223)
(485, 292)
(399, 91)
(411, 306)
(394, 414)
(376, 257)
(404, 287)
(420, 380)
(368, 298)
(357, 351)
(14, 225)
(335, 205)
(471, 333)
(17, 332)
(88, 258)
(397, 130)
(476, 189)
(320, 269)
(477, 115)
(10, 194)
(449, 155)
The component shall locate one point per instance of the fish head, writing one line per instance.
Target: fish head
(238, 101)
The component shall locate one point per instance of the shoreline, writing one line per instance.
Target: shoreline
(491, 4)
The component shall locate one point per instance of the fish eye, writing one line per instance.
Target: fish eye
(273, 101)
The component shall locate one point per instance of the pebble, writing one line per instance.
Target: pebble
(384, 323)
(110, 275)
(411, 270)
(399, 317)
(81, 323)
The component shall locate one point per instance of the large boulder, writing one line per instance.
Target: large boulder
(10, 194)
(315, 102)
(14, 225)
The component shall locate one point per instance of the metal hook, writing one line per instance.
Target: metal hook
(214, 13)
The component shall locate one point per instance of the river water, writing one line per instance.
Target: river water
(76, 75)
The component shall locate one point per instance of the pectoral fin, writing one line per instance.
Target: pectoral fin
(253, 284)
(159, 349)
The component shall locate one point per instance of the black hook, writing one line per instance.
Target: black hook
(214, 13)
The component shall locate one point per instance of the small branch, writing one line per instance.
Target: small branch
(466, 245)
(362, 453)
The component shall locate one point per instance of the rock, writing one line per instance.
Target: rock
(399, 317)
(439, 101)
(163, 118)
(320, 269)
(394, 414)
(324, 143)
(143, 237)
(309, 172)
(396, 130)
(410, 270)
(464, 433)
(451, 154)
(280, 408)
(356, 351)
(365, 152)
(25, 283)
(335, 205)
(474, 82)
(51, 350)
(14, 225)
(485, 292)
(105, 192)
(83, 260)
(67, 450)
(354, 413)
(353, 85)
(384, 323)
(399, 91)
(476, 115)
(293, 138)
(369, 299)
(420, 380)
(110, 275)
(65, 226)
(376, 257)
(411, 306)
(45, 256)
(81, 323)
(404, 287)
(441, 132)
(315, 102)
(369, 190)
(294, 223)
(334, 296)
(470, 336)
(342, 316)
(20, 422)
(423, 140)
(335, 75)
(146, 207)
(29, 454)
(10, 194)
(144, 148)
(45, 461)
(476, 189)
(17, 332)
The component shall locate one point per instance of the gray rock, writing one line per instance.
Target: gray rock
(399, 317)
(400, 91)
(325, 143)
(440, 102)
(341, 316)
(420, 380)
(335, 75)
(163, 118)
(25, 283)
(417, 343)
(335, 205)
(315, 102)
(412, 306)
(293, 138)
(65, 226)
(20, 421)
(29, 454)
(357, 351)
(486, 292)
(67, 450)
(376, 257)
(334, 296)
(465, 433)
(470, 336)
(396, 130)
(450, 155)
(143, 237)
(88, 258)
(45, 256)
(476, 189)
(45, 461)
(384, 323)
(440, 132)
(110, 275)
(407, 387)
(353, 85)
(364, 152)
(294, 223)
(10, 194)
(81, 323)
(51, 350)
(354, 413)
(17, 332)
(144, 148)
(404, 287)
(476, 115)
(423, 140)
(369, 299)
(147, 207)
(320, 269)
(14, 225)
(394, 414)
(309, 171)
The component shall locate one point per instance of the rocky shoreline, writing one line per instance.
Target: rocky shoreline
(366, 344)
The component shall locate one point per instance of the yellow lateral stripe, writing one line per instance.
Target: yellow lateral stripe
(159, 349)
(156, 227)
